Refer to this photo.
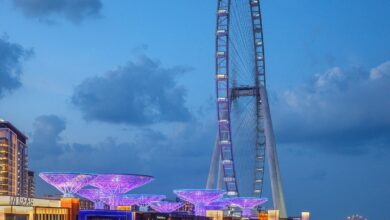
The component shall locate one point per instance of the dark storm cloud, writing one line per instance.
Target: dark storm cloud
(138, 93)
(11, 58)
(73, 10)
(46, 140)
(341, 111)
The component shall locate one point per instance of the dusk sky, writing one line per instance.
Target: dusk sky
(128, 87)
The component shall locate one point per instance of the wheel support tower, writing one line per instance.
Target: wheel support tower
(223, 157)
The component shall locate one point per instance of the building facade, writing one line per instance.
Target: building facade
(30, 184)
(23, 208)
(13, 161)
(85, 204)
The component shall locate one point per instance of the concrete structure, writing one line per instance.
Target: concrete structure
(13, 161)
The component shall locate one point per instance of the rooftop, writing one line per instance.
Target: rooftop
(9, 125)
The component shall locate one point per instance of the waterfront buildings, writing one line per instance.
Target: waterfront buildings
(18, 202)
(20, 208)
(13, 161)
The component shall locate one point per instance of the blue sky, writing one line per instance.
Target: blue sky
(66, 69)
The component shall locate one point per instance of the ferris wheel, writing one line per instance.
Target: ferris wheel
(245, 134)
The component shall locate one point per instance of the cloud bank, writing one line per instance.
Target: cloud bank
(46, 137)
(185, 151)
(345, 111)
(74, 10)
(47, 141)
(139, 93)
(11, 58)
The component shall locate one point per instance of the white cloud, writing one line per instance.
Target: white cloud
(380, 71)
(341, 110)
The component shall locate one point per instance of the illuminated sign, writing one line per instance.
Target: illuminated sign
(21, 201)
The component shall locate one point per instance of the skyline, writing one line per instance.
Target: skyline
(317, 78)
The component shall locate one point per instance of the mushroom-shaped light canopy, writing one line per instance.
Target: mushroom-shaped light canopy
(124, 200)
(166, 207)
(248, 203)
(144, 199)
(94, 195)
(112, 200)
(116, 184)
(67, 183)
(200, 198)
(220, 204)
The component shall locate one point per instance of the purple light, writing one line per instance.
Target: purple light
(220, 204)
(94, 195)
(119, 200)
(67, 183)
(114, 185)
(200, 198)
(113, 201)
(247, 204)
(144, 199)
(125, 201)
(166, 207)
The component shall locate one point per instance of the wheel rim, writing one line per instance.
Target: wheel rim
(240, 71)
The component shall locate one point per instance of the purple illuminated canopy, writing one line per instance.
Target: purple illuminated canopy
(200, 198)
(94, 195)
(116, 184)
(67, 183)
(144, 199)
(219, 204)
(248, 203)
(119, 200)
(125, 201)
(113, 201)
(166, 207)
(91, 194)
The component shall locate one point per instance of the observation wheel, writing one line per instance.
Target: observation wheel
(240, 77)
